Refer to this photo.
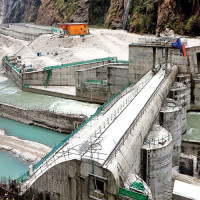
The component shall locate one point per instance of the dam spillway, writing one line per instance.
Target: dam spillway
(10, 93)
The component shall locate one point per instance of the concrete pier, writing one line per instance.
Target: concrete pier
(171, 120)
(157, 162)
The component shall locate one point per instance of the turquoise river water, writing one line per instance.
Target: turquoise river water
(193, 129)
(13, 167)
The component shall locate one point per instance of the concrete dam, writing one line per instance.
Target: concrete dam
(97, 153)
(127, 149)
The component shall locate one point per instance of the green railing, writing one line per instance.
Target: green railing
(11, 64)
(97, 82)
(56, 29)
(122, 61)
(111, 59)
(23, 178)
(132, 194)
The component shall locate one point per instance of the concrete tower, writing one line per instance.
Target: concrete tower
(170, 119)
(157, 162)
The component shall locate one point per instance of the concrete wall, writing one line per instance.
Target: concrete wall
(13, 74)
(116, 76)
(24, 31)
(140, 62)
(69, 181)
(179, 93)
(188, 64)
(196, 91)
(190, 147)
(17, 34)
(186, 80)
(28, 29)
(65, 123)
(60, 77)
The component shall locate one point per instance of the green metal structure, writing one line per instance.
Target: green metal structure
(138, 186)
(48, 77)
(132, 194)
(110, 59)
(97, 82)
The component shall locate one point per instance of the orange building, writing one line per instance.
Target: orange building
(74, 28)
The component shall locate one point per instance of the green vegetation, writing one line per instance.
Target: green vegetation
(143, 16)
(178, 16)
(97, 12)
(192, 25)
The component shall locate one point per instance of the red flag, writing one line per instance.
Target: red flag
(184, 52)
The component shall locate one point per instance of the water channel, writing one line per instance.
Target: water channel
(10, 93)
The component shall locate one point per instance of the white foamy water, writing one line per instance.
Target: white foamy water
(10, 93)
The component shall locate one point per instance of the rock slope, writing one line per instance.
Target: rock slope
(145, 16)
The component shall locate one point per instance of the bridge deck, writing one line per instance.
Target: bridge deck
(118, 128)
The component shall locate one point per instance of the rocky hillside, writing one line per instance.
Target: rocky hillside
(50, 12)
(144, 16)
(19, 10)
(150, 16)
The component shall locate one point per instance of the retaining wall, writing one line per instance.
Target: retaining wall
(188, 64)
(65, 123)
(59, 77)
(117, 77)
(13, 74)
